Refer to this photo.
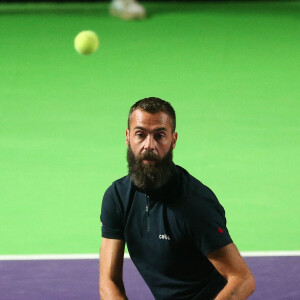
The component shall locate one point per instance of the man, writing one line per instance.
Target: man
(127, 9)
(174, 226)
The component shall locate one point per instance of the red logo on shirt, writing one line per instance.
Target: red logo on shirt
(220, 230)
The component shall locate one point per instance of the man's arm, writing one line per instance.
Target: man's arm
(232, 266)
(111, 286)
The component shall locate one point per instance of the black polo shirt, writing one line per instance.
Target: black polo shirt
(169, 232)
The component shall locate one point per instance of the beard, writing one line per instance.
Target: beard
(149, 176)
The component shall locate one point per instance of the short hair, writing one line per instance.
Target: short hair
(154, 105)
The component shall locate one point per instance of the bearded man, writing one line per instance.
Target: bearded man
(174, 226)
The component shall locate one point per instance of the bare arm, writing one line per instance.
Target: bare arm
(232, 266)
(111, 286)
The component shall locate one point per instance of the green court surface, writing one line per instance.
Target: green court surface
(231, 71)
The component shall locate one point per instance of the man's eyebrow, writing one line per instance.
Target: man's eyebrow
(155, 130)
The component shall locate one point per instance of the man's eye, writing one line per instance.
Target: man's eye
(139, 134)
(159, 136)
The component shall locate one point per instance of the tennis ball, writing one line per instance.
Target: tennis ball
(86, 42)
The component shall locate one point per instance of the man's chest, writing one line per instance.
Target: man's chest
(149, 218)
(154, 232)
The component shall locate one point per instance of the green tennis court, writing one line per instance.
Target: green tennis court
(231, 71)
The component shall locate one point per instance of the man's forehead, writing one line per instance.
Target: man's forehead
(140, 118)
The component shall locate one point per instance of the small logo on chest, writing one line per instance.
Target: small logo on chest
(164, 237)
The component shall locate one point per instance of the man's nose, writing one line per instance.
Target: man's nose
(149, 143)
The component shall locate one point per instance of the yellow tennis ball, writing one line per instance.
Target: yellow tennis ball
(86, 42)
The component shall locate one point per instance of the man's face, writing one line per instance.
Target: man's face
(150, 142)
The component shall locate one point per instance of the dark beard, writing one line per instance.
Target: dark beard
(149, 176)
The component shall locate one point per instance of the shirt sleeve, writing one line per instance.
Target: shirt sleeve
(111, 216)
(206, 223)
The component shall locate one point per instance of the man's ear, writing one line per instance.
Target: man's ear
(127, 137)
(174, 139)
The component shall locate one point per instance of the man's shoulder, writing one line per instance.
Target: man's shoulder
(197, 196)
(192, 184)
(119, 185)
(123, 181)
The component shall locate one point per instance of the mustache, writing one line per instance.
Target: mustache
(149, 155)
